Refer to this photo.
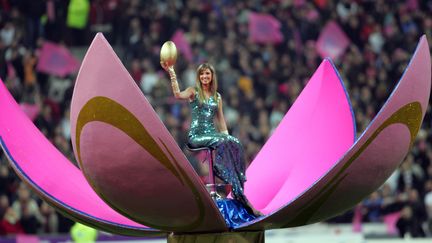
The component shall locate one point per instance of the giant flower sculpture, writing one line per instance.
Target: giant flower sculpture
(135, 180)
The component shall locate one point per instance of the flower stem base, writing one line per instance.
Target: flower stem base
(234, 237)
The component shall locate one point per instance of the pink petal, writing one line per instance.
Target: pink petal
(373, 157)
(52, 176)
(318, 129)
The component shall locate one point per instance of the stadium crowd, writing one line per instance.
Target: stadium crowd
(259, 82)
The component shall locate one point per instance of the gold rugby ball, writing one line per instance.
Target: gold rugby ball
(168, 53)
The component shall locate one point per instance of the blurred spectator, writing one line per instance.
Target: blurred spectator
(27, 211)
(428, 204)
(77, 21)
(418, 207)
(410, 175)
(7, 181)
(149, 77)
(373, 206)
(7, 33)
(50, 218)
(45, 121)
(10, 223)
(4, 204)
(33, 11)
(83, 234)
(408, 225)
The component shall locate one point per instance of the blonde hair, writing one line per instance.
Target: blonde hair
(213, 84)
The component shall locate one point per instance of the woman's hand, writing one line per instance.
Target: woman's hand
(169, 69)
(164, 65)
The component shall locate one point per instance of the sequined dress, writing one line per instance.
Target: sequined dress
(229, 163)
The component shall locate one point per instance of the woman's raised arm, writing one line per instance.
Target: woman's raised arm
(186, 94)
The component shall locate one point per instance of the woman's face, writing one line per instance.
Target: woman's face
(205, 76)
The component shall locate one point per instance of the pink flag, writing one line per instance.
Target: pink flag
(412, 4)
(357, 219)
(390, 221)
(264, 28)
(182, 44)
(27, 239)
(332, 41)
(31, 110)
(50, 10)
(57, 60)
(11, 73)
(299, 3)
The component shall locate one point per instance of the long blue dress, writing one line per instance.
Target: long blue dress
(229, 162)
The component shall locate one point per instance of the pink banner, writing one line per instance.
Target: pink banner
(264, 28)
(412, 4)
(10, 70)
(390, 221)
(332, 41)
(182, 44)
(27, 239)
(57, 60)
(299, 3)
(50, 10)
(357, 219)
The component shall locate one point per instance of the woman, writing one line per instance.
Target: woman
(206, 103)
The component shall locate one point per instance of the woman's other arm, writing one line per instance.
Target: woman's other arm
(220, 117)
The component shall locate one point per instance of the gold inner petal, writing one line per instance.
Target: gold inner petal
(106, 110)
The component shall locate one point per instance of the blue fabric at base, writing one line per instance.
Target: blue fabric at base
(233, 212)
